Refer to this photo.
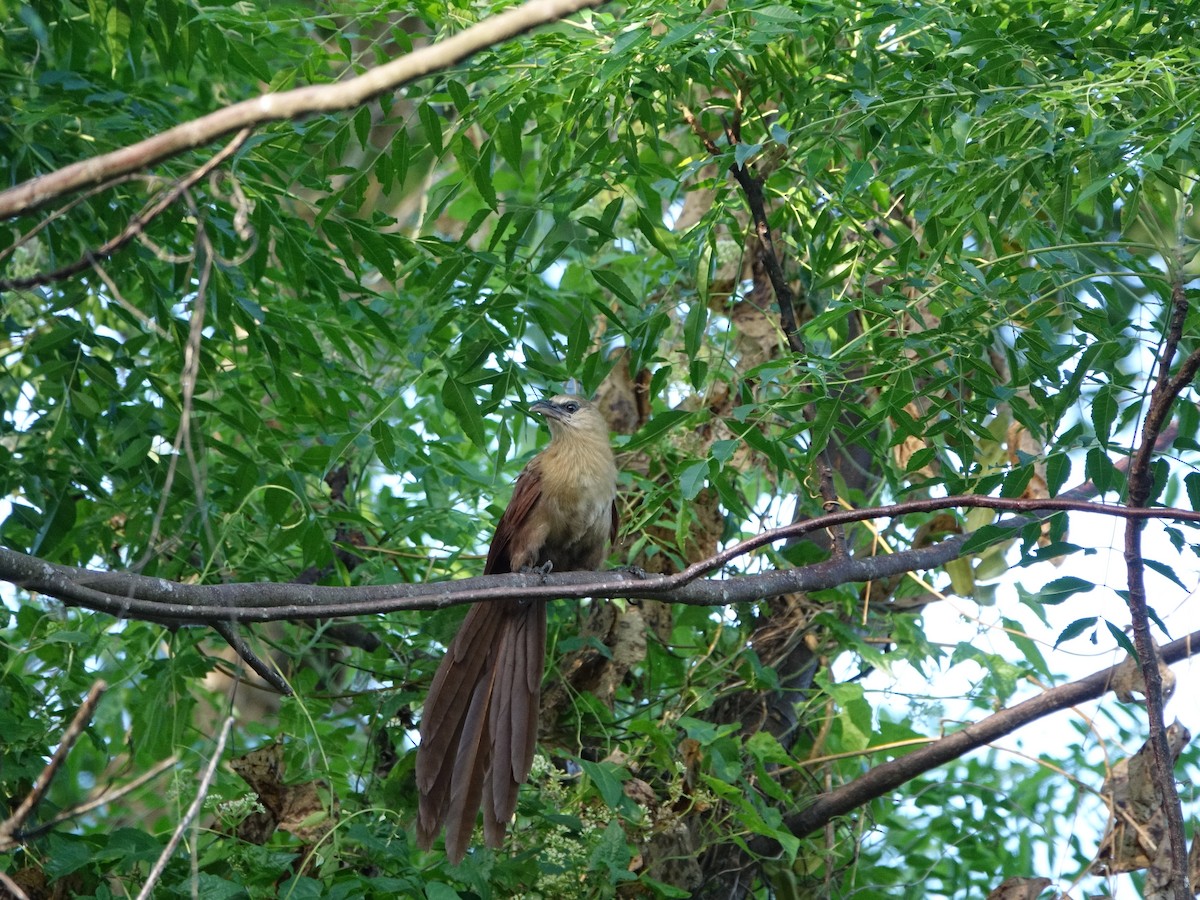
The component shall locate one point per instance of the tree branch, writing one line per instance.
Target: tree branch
(890, 775)
(1163, 395)
(293, 104)
(127, 595)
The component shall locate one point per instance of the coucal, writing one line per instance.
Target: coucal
(479, 725)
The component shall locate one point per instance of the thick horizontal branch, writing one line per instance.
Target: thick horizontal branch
(127, 595)
(891, 775)
(293, 104)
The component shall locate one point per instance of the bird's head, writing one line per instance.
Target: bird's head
(570, 414)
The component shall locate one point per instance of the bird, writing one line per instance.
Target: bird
(479, 720)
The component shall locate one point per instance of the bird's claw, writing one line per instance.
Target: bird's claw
(637, 572)
(544, 569)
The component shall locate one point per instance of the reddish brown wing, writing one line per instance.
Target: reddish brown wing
(526, 494)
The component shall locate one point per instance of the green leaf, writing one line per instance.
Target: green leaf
(1122, 639)
(704, 271)
(460, 401)
(743, 152)
(693, 329)
(458, 95)
(1076, 628)
(659, 425)
(653, 233)
(1016, 481)
(431, 124)
(1165, 571)
(1063, 588)
(607, 779)
(662, 889)
(987, 536)
(362, 127)
(611, 855)
(1058, 470)
(691, 479)
(1101, 471)
(1029, 649)
(1191, 482)
(481, 174)
(614, 283)
(1104, 413)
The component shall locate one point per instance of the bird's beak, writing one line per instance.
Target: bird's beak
(547, 409)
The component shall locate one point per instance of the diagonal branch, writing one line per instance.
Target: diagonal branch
(890, 775)
(102, 799)
(293, 104)
(751, 184)
(14, 823)
(206, 779)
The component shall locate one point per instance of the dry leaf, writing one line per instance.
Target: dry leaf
(304, 810)
(1137, 830)
(640, 792)
(1128, 679)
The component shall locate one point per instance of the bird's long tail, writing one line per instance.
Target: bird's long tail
(479, 726)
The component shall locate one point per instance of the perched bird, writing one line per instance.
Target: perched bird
(479, 725)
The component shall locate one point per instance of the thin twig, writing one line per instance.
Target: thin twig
(266, 672)
(188, 377)
(64, 209)
(192, 811)
(109, 796)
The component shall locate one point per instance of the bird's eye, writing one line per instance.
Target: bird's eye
(571, 406)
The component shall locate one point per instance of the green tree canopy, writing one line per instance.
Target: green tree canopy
(885, 290)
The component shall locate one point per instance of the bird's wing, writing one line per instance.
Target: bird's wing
(526, 494)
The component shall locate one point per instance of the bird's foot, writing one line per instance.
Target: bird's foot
(544, 569)
(636, 571)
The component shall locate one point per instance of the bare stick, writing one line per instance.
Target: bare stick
(12, 887)
(266, 672)
(192, 811)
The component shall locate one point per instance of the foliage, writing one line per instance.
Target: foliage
(308, 369)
